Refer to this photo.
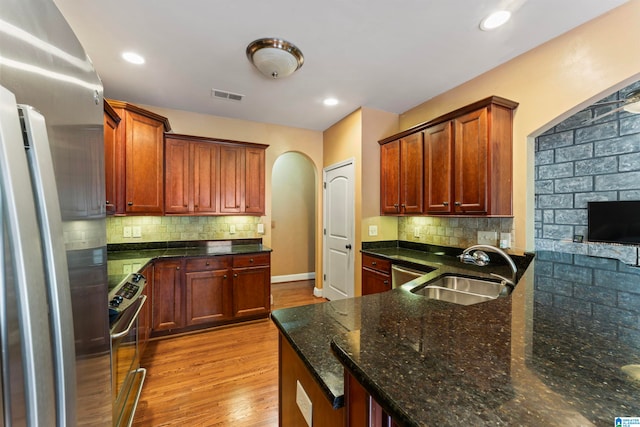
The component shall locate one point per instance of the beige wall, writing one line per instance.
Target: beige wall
(551, 83)
(281, 139)
(293, 210)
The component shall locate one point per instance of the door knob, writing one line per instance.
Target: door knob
(348, 246)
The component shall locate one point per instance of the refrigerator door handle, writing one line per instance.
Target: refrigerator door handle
(55, 259)
(28, 270)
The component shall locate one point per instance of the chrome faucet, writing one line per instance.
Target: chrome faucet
(475, 255)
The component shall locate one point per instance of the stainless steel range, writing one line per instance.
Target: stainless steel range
(125, 303)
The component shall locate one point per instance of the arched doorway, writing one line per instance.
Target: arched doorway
(293, 217)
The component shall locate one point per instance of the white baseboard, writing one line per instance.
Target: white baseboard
(293, 277)
(317, 292)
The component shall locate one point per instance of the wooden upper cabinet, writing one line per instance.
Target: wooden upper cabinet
(438, 163)
(254, 181)
(112, 156)
(176, 175)
(467, 159)
(390, 178)
(141, 134)
(231, 178)
(191, 175)
(471, 163)
(401, 175)
(206, 176)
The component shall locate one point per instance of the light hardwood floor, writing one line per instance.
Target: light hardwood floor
(222, 377)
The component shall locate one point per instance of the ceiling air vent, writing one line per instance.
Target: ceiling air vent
(223, 94)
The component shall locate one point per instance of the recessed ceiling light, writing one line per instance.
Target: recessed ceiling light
(330, 102)
(495, 20)
(132, 57)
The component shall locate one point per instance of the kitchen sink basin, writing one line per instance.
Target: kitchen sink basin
(462, 290)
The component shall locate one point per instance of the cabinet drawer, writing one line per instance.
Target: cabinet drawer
(207, 263)
(251, 260)
(374, 263)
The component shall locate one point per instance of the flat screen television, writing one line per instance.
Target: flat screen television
(614, 222)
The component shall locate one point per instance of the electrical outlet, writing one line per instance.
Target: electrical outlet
(487, 238)
(304, 403)
(260, 228)
(136, 231)
(232, 229)
(505, 240)
(416, 231)
(373, 230)
(127, 232)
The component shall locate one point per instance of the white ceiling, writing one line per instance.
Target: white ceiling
(382, 54)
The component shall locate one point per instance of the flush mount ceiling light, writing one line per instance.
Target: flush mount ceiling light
(330, 102)
(495, 20)
(132, 57)
(274, 58)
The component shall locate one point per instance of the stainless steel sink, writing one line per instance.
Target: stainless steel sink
(462, 290)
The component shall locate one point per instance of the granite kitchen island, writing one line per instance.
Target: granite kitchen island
(562, 349)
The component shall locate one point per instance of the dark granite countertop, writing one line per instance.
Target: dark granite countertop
(132, 257)
(563, 348)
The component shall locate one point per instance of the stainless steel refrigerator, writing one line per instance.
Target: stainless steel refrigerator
(54, 329)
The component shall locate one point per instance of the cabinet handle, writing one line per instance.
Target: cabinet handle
(457, 203)
(403, 206)
(386, 282)
(445, 203)
(374, 263)
(130, 203)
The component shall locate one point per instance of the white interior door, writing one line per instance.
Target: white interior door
(338, 254)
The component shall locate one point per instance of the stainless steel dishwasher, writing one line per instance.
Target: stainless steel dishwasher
(401, 275)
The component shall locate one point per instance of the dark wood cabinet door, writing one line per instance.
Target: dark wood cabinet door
(208, 296)
(251, 291)
(206, 171)
(144, 176)
(438, 163)
(374, 282)
(231, 179)
(390, 178)
(411, 174)
(167, 295)
(254, 181)
(471, 143)
(176, 176)
(111, 161)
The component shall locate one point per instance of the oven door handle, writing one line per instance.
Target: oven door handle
(132, 321)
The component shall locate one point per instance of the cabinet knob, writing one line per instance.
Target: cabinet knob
(457, 203)
(224, 277)
(108, 202)
(207, 263)
(196, 206)
(251, 260)
(235, 274)
(177, 268)
(348, 246)
(374, 263)
(403, 206)
(130, 203)
(386, 282)
(445, 203)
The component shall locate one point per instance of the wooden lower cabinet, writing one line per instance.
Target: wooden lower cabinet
(167, 295)
(193, 293)
(291, 372)
(208, 289)
(251, 285)
(376, 275)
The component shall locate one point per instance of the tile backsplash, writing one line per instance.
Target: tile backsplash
(456, 232)
(174, 228)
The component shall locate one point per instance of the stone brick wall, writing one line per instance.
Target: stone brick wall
(578, 162)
